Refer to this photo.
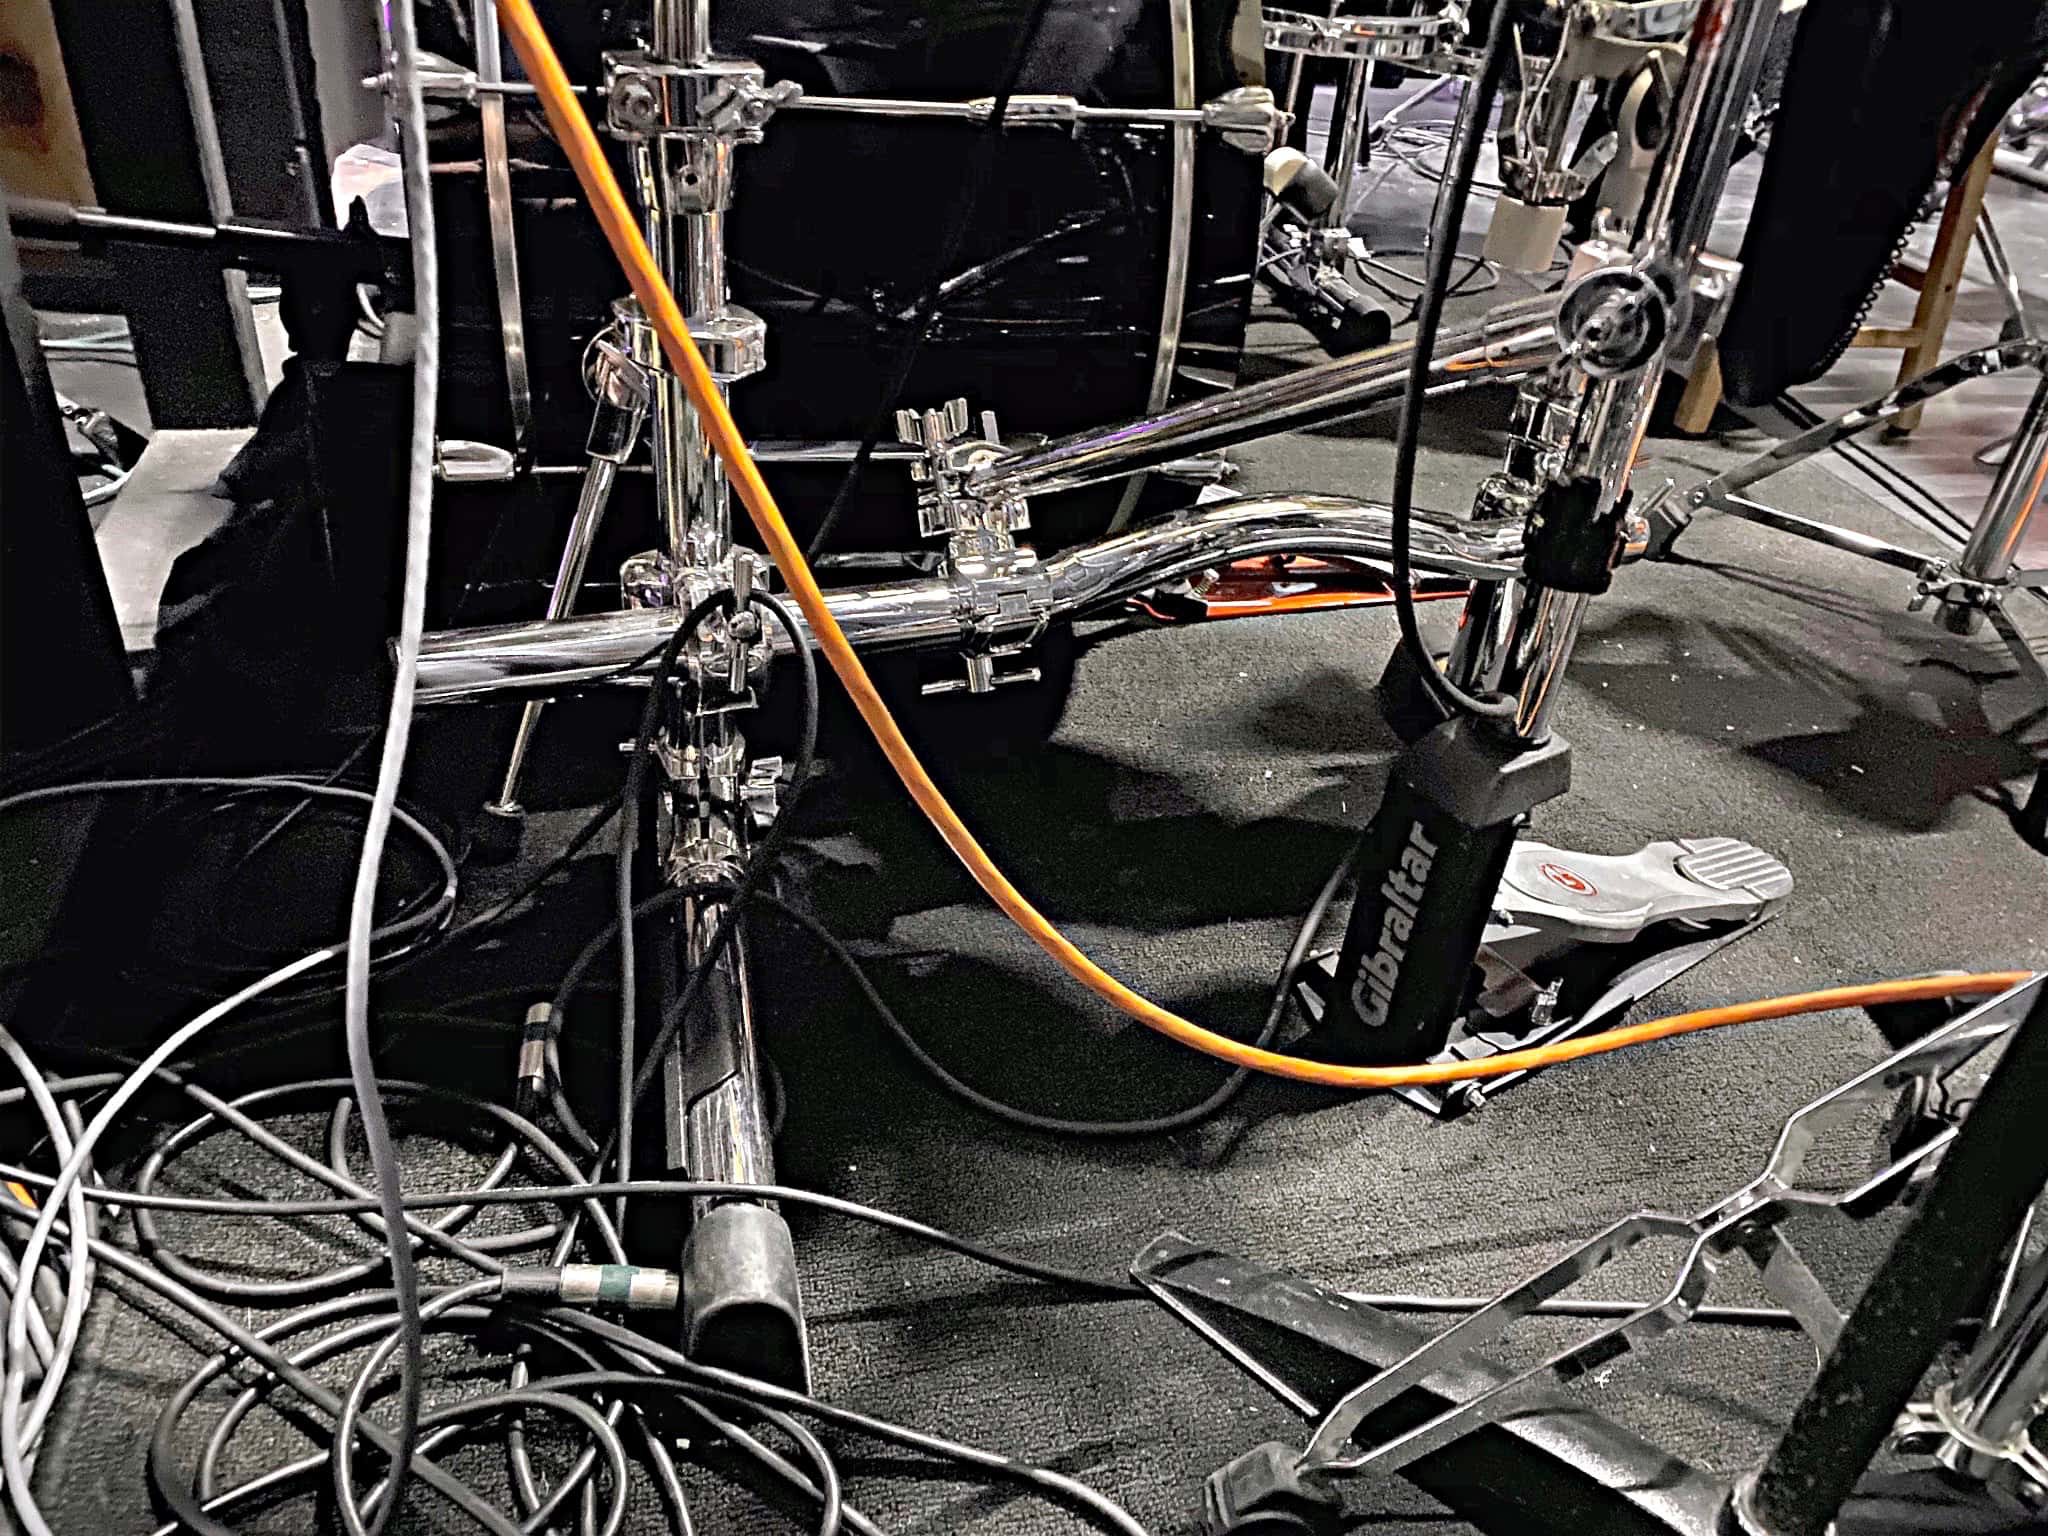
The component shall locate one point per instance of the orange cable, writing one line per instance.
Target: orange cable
(615, 218)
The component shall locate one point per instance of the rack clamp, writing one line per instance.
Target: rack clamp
(723, 99)
(1003, 595)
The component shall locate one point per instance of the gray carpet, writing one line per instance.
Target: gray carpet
(1200, 787)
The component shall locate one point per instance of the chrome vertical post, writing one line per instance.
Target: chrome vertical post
(1615, 324)
(1347, 138)
(2000, 1389)
(2008, 510)
(685, 110)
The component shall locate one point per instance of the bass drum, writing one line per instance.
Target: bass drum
(1051, 309)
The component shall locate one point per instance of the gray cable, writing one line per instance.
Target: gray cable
(419, 518)
(14, 1356)
(77, 1277)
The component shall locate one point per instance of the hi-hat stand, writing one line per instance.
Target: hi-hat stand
(1966, 590)
(1443, 839)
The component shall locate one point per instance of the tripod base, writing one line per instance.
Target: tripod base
(1555, 1468)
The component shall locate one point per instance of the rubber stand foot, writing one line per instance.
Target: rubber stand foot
(742, 1307)
(1262, 1491)
(1666, 524)
(496, 833)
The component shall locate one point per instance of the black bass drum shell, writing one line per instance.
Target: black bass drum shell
(837, 225)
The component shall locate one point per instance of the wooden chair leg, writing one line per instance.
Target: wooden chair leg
(1695, 410)
(1944, 273)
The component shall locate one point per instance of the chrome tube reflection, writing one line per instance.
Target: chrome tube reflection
(554, 656)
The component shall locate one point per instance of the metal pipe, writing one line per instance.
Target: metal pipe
(1724, 59)
(680, 31)
(2013, 165)
(1979, 364)
(597, 490)
(716, 1114)
(1511, 342)
(1541, 634)
(2014, 496)
(2002, 272)
(466, 664)
(2001, 1386)
(671, 437)
(1023, 111)
(1479, 649)
(1846, 539)
(1347, 139)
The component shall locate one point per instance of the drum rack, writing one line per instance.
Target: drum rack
(1540, 542)
(683, 112)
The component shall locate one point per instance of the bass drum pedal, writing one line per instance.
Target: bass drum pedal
(1575, 939)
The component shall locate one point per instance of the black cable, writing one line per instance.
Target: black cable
(470, 928)
(1443, 252)
(629, 839)
(583, 1194)
(1067, 1488)
(1156, 1125)
(926, 314)
(759, 861)
(234, 1114)
(407, 925)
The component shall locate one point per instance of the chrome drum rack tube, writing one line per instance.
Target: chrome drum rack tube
(1510, 343)
(538, 657)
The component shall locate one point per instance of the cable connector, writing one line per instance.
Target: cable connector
(635, 1287)
(530, 1089)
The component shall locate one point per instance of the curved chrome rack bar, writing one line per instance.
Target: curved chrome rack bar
(542, 656)
(1507, 344)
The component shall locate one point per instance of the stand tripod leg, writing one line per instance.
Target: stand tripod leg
(598, 480)
(621, 385)
(1555, 1468)
(2008, 510)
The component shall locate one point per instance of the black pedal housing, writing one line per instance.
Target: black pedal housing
(1431, 867)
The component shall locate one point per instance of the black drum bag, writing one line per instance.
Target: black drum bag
(1881, 98)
